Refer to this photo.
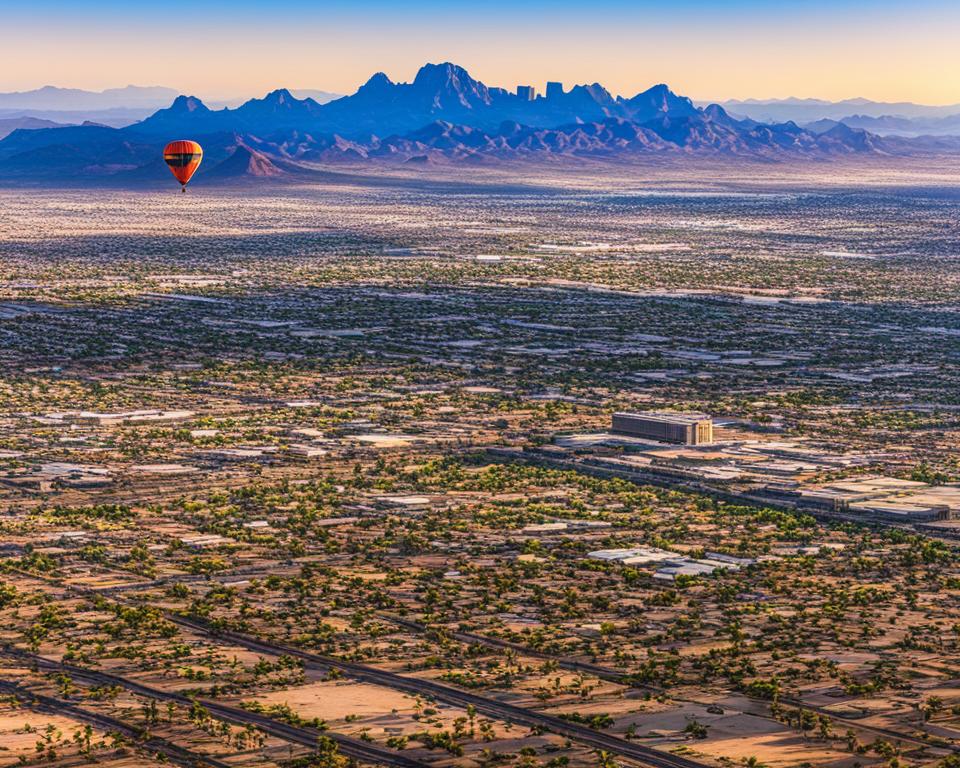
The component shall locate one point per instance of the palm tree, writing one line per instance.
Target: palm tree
(605, 759)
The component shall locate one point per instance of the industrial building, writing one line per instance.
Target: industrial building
(682, 428)
(669, 564)
(875, 498)
(149, 417)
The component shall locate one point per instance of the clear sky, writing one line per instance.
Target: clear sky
(882, 50)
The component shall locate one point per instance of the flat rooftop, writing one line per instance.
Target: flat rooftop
(683, 419)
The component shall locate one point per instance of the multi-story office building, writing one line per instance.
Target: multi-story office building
(682, 428)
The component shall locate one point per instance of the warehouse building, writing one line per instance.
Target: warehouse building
(682, 428)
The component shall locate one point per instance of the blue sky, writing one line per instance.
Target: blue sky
(721, 49)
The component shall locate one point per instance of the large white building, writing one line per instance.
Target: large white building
(682, 428)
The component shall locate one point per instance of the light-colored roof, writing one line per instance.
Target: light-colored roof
(684, 419)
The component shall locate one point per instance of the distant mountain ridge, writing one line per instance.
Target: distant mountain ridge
(10, 124)
(51, 97)
(889, 125)
(117, 107)
(443, 115)
(811, 110)
(114, 106)
(438, 92)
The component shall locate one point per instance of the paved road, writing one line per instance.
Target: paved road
(502, 710)
(488, 706)
(172, 752)
(356, 748)
(619, 676)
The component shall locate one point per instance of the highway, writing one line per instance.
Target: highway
(156, 745)
(490, 707)
(564, 662)
(618, 676)
(431, 689)
(501, 710)
(356, 748)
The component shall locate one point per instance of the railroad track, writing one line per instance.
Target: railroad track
(349, 746)
(154, 744)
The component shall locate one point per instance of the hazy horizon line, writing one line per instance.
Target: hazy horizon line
(221, 98)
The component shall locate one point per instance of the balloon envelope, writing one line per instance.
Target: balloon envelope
(184, 158)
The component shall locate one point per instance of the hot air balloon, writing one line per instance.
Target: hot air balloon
(184, 158)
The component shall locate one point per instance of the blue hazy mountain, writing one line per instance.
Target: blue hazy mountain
(10, 124)
(883, 118)
(74, 99)
(443, 115)
(444, 92)
(810, 110)
(889, 125)
(115, 106)
(321, 97)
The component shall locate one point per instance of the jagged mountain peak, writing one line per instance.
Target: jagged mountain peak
(660, 99)
(443, 112)
(442, 74)
(449, 86)
(717, 114)
(594, 91)
(245, 162)
(187, 104)
(280, 96)
(377, 81)
(661, 90)
(655, 94)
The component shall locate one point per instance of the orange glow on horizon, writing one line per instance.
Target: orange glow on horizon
(760, 60)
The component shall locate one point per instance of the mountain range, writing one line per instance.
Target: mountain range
(10, 124)
(113, 106)
(117, 107)
(809, 110)
(443, 115)
(882, 118)
(70, 99)
(891, 125)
